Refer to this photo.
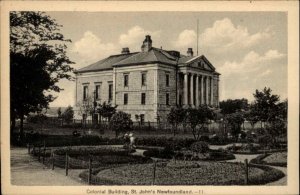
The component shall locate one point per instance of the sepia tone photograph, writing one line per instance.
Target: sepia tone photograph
(149, 98)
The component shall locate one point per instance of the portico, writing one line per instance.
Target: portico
(198, 89)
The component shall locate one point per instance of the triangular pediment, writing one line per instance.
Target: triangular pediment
(202, 63)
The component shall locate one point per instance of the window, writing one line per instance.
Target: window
(110, 92)
(144, 79)
(143, 99)
(85, 92)
(167, 99)
(167, 80)
(97, 92)
(125, 98)
(126, 77)
(142, 118)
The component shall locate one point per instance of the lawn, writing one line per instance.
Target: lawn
(279, 157)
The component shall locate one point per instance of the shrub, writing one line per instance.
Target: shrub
(220, 155)
(200, 147)
(165, 153)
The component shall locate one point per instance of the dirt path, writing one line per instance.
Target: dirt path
(27, 171)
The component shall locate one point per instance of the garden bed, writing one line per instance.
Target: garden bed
(211, 155)
(186, 173)
(101, 156)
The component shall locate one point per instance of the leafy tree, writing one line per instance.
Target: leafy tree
(265, 105)
(235, 120)
(199, 117)
(251, 116)
(120, 122)
(59, 112)
(38, 61)
(106, 110)
(68, 114)
(268, 109)
(176, 117)
(231, 106)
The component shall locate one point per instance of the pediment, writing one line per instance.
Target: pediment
(202, 63)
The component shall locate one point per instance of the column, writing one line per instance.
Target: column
(185, 89)
(202, 91)
(192, 89)
(206, 95)
(212, 91)
(197, 90)
(178, 88)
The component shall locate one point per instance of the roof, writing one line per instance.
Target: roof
(104, 64)
(154, 55)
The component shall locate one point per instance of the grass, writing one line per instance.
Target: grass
(180, 173)
(274, 159)
(280, 157)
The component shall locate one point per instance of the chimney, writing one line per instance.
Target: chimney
(190, 52)
(125, 50)
(147, 44)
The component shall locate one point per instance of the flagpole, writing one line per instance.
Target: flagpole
(197, 35)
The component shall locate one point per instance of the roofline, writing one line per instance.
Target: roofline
(94, 70)
(143, 63)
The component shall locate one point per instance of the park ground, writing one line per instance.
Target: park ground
(27, 171)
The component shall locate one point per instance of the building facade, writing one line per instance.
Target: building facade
(148, 83)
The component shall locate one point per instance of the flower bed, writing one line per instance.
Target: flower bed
(101, 156)
(211, 155)
(186, 173)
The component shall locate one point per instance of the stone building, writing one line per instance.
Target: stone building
(148, 83)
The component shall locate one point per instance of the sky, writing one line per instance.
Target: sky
(249, 49)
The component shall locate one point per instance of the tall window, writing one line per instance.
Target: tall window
(110, 92)
(167, 99)
(125, 98)
(85, 92)
(97, 92)
(143, 99)
(167, 80)
(144, 79)
(126, 78)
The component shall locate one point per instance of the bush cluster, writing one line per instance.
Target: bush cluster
(174, 143)
(199, 147)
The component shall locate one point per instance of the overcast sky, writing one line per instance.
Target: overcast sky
(249, 49)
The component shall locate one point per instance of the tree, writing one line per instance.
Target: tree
(265, 105)
(176, 117)
(106, 110)
(59, 112)
(235, 120)
(68, 114)
(38, 61)
(120, 122)
(199, 117)
(268, 109)
(231, 106)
